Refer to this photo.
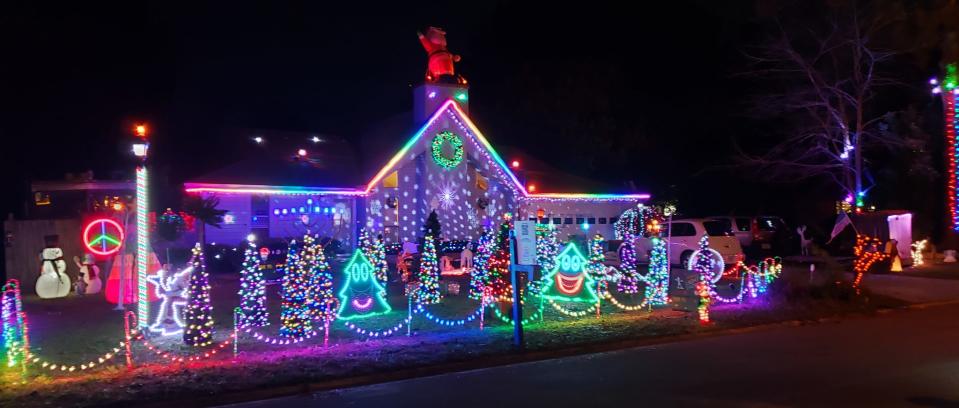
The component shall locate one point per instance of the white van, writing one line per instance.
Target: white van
(685, 239)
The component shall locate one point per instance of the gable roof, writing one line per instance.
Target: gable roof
(339, 174)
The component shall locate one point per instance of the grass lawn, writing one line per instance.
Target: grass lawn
(76, 329)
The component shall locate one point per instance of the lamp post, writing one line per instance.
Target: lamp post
(140, 150)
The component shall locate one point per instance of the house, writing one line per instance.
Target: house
(446, 165)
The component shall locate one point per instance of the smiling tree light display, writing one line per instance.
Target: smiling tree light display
(428, 291)
(198, 318)
(252, 288)
(361, 295)
(569, 281)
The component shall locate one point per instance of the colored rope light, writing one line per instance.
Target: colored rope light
(35, 360)
(629, 308)
(377, 333)
(281, 341)
(537, 315)
(180, 359)
(449, 322)
(14, 328)
(143, 243)
(570, 281)
(950, 95)
(269, 190)
(104, 244)
(572, 313)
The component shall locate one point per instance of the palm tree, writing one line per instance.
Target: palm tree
(204, 211)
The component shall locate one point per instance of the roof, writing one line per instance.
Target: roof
(333, 167)
(330, 162)
(89, 185)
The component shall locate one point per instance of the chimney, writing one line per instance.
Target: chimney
(428, 97)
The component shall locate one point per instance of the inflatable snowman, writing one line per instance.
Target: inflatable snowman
(88, 282)
(53, 281)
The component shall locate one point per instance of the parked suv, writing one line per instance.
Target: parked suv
(685, 239)
(742, 228)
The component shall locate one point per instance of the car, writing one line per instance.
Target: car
(684, 236)
(770, 233)
(742, 227)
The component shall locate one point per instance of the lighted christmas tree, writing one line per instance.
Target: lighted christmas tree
(252, 288)
(294, 316)
(657, 280)
(629, 283)
(381, 267)
(597, 257)
(361, 295)
(547, 246)
(432, 227)
(703, 261)
(480, 275)
(198, 317)
(321, 304)
(366, 243)
(569, 281)
(429, 286)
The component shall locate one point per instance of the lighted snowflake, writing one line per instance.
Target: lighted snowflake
(376, 207)
(448, 196)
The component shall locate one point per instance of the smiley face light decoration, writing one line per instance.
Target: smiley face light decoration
(569, 280)
(362, 295)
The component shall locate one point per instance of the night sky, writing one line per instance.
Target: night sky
(604, 91)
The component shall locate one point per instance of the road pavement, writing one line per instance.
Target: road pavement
(900, 358)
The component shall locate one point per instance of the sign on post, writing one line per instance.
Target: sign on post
(525, 242)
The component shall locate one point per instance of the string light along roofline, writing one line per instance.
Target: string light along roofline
(457, 115)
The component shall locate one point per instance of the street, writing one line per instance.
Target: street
(901, 358)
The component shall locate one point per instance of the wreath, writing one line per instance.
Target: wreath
(437, 149)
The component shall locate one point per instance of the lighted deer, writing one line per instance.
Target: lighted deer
(805, 243)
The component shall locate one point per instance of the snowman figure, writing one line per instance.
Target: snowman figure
(53, 281)
(88, 281)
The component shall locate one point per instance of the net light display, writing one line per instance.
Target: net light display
(321, 303)
(480, 275)
(198, 317)
(428, 291)
(252, 289)
(597, 257)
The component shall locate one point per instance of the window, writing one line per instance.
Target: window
(557, 220)
(567, 220)
(532, 218)
(580, 221)
(683, 229)
(742, 224)
(717, 228)
(602, 220)
(612, 220)
(591, 221)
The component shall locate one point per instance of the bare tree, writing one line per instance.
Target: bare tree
(824, 79)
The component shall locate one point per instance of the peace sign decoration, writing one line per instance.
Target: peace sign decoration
(103, 236)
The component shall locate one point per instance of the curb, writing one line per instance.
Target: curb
(232, 398)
